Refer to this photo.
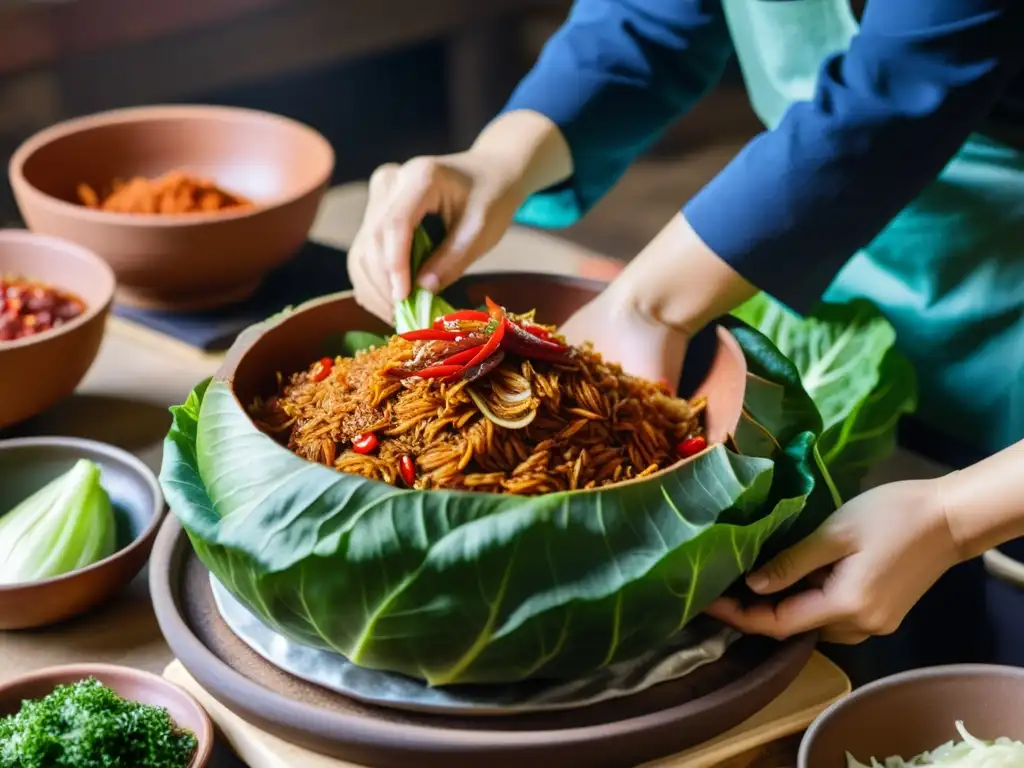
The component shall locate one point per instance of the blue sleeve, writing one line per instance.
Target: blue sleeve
(886, 117)
(613, 78)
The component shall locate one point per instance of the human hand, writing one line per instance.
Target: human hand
(646, 317)
(866, 567)
(623, 334)
(476, 195)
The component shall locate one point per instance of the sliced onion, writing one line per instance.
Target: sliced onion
(485, 409)
(511, 396)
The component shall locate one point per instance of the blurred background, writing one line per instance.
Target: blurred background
(384, 80)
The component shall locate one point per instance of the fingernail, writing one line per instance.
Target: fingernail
(758, 582)
(429, 282)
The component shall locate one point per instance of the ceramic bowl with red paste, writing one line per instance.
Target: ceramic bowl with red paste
(28, 307)
(54, 300)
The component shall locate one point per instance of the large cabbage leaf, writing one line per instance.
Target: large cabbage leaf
(457, 587)
(848, 364)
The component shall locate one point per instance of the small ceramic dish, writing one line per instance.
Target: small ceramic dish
(27, 464)
(184, 261)
(128, 683)
(39, 370)
(915, 712)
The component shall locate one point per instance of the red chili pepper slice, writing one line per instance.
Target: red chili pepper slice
(538, 331)
(365, 443)
(492, 344)
(463, 357)
(474, 372)
(474, 315)
(408, 469)
(432, 334)
(437, 371)
(494, 310)
(321, 369)
(527, 345)
(691, 446)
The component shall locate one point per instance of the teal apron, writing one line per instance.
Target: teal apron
(949, 270)
(949, 274)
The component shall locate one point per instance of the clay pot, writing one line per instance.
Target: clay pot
(179, 261)
(915, 712)
(37, 371)
(26, 465)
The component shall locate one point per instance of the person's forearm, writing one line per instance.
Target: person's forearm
(612, 78)
(530, 146)
(887, 115)
(679, 282)
(984, 504)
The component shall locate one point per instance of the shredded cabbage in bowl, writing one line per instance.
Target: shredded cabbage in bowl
(969, 753)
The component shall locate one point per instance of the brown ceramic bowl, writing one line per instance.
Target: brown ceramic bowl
(289, 344)
(37, 371)
(131, 684)
(27, 464)
(185, 261)
(916, 711)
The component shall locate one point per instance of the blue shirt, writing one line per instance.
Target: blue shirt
(886, 116)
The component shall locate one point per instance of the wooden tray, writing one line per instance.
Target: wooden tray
(752, 743)
(659, 722)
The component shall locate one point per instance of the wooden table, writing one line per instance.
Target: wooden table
(124, 401)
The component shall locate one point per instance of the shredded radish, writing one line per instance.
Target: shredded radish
(969, 753)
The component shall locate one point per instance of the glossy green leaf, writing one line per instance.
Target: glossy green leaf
(849, 367)
(349, 343)
(774, 396)
(456, 587)
(468, 587)
(868, 434)
(838, 350)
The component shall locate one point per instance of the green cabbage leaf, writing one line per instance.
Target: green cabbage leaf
(849, 367)
(458, 587)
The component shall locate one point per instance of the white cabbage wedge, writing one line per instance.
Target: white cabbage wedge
(64, 526)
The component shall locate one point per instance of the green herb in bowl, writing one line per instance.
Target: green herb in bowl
(87, 725)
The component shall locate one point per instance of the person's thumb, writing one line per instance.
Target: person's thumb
(818, 550)
(460, 248)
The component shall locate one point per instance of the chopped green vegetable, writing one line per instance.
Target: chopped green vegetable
(421, 308)
(87, 725)
(357, 341)
(66, 525)
(969, 753)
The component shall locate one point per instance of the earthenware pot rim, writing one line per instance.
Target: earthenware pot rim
(82, 670)
(128, 115)
(230, 685)
(252, 335)
(30, 239)
(895, 681)
(110, 451)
